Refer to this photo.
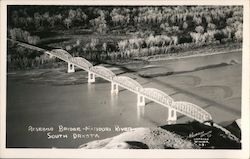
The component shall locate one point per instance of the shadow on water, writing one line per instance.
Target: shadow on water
(232, 62)
(123, 68)
(149, 102)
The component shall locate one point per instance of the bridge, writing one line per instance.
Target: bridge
(188, 109)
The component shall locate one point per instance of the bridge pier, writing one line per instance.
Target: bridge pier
(172, 115)
(140, 100)
(114, 88)
(91, 77)
(71, 67)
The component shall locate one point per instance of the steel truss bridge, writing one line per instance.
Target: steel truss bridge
(188, 109)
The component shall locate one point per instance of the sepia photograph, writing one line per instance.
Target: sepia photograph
(134, 76)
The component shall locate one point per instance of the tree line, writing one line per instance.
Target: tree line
(147, 30)
(23, 35)
(19, 58)
(160, 20)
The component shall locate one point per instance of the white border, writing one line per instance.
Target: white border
(79, 153)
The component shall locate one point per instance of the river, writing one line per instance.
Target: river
(52, 99)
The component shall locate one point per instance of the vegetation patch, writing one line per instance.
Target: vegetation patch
(115, 33)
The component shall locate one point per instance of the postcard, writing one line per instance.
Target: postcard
(115, 79)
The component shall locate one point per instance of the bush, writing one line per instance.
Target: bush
(22, 35)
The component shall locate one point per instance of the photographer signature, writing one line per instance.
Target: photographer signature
(200, 134)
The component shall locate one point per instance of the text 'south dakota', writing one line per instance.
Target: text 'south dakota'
(85, 132)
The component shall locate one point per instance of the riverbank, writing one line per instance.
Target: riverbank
(191, 54)
(43, 62)
(153, 68)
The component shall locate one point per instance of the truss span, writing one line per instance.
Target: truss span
(128, 83)
(103, 72)
(157, 95)
(81, 62)
(61, 54)
(192, 111)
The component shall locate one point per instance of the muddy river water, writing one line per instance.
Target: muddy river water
(44, 112)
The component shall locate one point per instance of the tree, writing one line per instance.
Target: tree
(37, 18)
(122, 45)
(72, 14)
(100, 24)
(33, 39)
(104, 46)
(185, 25)
(199, 29)
(94, 43)
(51, 21)
(175, 40)
(239, 33)
(67, 22)
(150, 41)
(197, 20)
(25, 35)
(13, 34)
(211, 26)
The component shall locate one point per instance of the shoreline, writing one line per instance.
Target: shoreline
(194, 55)
(175, 56)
